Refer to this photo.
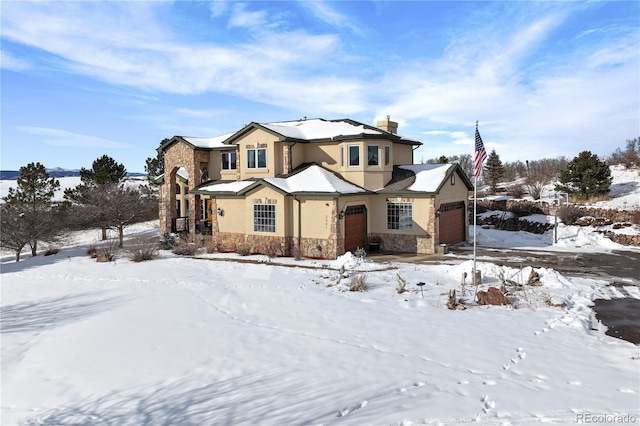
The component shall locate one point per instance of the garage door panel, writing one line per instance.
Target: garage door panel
(452, 224)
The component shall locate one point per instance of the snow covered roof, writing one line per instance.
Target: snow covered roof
(426, 178)
(302, 130)
(235, 186)
(320, 129)
(214, 142)
(429, 177)
(314, 179)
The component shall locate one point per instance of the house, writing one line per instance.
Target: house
(320, 187)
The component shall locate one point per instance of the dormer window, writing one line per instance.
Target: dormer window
(257, 158)
(229, 160)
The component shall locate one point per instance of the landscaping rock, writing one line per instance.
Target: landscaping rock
(493, 296)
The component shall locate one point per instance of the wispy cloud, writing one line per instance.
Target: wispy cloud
(12, 63)
(326, 13)
(58, 137)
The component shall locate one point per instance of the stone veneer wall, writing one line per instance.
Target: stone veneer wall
(181, 155)
(404, 243)
(316, 248)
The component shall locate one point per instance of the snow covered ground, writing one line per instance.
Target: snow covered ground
(217, 340)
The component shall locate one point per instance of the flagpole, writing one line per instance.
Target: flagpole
(475, 216)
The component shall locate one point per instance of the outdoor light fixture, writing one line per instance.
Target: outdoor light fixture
(438, 212)
(341, 215)
(220, 212)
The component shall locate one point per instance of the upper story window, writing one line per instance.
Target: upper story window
(372, 155)
(257, 158)
(387, 155)
(229, 160)
(354, 155)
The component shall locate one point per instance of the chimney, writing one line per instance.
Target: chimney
(388, 125)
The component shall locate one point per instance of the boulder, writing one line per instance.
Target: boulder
(493, 296)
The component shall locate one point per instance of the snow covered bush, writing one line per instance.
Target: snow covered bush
(186, 246)
(142, 250)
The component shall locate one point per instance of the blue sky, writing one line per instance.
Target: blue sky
(85, 78)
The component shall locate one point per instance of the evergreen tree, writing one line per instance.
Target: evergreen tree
(443, 159)
(155, 166)
(31, 204)
(585, 176)
(105, 171)
(494, 170)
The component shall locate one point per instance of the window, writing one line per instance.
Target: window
(229, 160)
(257, 158)
(453, 179)
(264, 218)
(341, 156)
(178, 188)
(399, 215)
(387, 155)
(354, 155)
(204, 176)
(372, 155)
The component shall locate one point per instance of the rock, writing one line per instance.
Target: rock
(534, 279)
(493, 296)
(102, 258)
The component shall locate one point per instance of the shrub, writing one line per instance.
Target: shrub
(358, 282)
(569, 214)
(107, 250)
(243, 250)
(186, 246)
(92, 252)
(167, 241)
(211, 246)
(142, 250)
(272, 249)
(296, 252)
(360, 253)
(516, 190)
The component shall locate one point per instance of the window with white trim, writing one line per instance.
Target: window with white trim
(257, 158)
(372, 155)
(399, 215)
(354, 155)
(229, 160)
(264, 218)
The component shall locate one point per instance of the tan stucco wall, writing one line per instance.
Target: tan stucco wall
(258, 138)
(402, 154)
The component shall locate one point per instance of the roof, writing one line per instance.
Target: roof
(309, 179)
(425, 178)
(311, 130)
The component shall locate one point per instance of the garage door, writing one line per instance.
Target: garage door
(452, 226)
(354, 227)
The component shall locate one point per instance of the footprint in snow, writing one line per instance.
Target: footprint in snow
(348, 410)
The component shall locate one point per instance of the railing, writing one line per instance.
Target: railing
(180, 224)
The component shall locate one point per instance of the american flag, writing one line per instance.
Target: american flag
(479, 156)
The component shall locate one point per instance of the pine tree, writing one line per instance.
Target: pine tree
(105, 171)
(30, 207)
(585, 176)
(494, 170)
(155, 166)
